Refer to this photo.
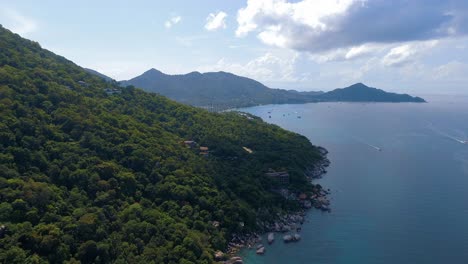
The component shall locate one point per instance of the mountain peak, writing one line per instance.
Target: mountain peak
(359, 85)
(152, 71)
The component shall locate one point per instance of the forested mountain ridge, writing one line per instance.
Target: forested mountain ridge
(218, 88)
(231, 91)
(94, 173)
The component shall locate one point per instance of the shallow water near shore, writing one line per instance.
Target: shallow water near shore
(404, 203)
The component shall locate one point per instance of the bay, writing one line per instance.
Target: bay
(399, 181)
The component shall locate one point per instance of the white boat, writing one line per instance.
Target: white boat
(271, 238)
(297, 237)
(287, 238)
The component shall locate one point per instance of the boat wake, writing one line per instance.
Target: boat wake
(367, 144)
(441, 133)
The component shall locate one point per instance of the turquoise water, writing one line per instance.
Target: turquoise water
(407, 203)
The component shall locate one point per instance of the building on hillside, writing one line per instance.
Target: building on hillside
(204, 151)
(83, 83)
(281, 176)
(190, 143)
(111, 91)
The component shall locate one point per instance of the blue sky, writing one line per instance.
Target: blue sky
(415, 46)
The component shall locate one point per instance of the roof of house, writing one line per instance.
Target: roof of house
(277, 174)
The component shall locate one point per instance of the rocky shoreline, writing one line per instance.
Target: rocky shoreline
(287, 225)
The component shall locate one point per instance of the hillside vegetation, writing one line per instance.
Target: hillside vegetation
(223, 90)
(94, 177)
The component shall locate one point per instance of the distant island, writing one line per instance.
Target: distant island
(232, 91)
(359, 92)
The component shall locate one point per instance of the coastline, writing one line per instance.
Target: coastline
(286, 226)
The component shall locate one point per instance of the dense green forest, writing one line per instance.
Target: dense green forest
(89, 176)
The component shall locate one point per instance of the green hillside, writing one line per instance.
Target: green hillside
(97, 177)
(216, 88)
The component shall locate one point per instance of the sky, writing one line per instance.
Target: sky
(414, 46)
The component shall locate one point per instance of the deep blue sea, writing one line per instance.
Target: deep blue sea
(407, 203)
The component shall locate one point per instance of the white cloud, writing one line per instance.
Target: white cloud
(268, 67)
(172, 21)
(323, 25)
(216, 21)
(352, 53)
(17, 22)
(362, 50)
(406, 53)
(273, 12)
(278, 21)
(451, 71)
(399, 55)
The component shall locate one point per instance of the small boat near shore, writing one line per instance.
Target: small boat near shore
(271, 238)
(261, 250)
(291, 238)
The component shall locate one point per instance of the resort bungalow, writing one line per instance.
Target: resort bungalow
(204, 151)
(281, 176)
(190, 143)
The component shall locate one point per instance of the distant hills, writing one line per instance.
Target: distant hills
(219, 88)
(230, 90)
(361, 93)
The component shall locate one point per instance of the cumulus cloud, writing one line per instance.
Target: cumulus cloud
(216, 21)
(351, 53)
(17, 22)
(322, 25)
(407, 53)
(172, 21)
(268, 67)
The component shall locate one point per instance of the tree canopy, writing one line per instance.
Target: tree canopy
(96, 177)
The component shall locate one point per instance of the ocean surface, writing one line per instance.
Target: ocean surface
(404, 203)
